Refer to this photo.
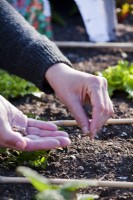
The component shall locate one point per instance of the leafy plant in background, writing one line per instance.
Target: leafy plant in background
(119, 77)
(32, 159)
(124, 9)
(74, 10)
(47, 191)
(12, 86)
(57, 18)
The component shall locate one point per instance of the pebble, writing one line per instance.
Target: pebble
(81, 168)
(122, 177)
(123, 134)
(124, 55)
(73, 157)
(104, 129)
(79, 136)
(109, 143)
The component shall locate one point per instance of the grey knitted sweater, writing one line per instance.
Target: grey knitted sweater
(23, 51)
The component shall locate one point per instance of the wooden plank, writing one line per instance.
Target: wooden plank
(128, 46)
(95, 183)
(109, 121)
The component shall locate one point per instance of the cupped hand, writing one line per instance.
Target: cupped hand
(37, 135)
(74, 88)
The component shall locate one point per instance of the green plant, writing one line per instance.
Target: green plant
(53, 192)
(74, 10)
(119, 77)
(12, 86)
(56, 17)
(124, 9)
(32, 159)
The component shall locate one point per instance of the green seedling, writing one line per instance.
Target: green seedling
(32, 159)
(67, 191)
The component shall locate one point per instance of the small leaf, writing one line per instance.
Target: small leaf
(38, 181)
(73, 186)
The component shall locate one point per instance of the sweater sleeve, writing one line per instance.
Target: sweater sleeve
(23, 51)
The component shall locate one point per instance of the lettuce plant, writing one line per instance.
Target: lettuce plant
(119, 77)
(12, 86)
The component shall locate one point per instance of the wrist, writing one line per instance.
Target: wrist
(56, 72)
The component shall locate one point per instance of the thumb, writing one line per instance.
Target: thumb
(18, 141)
(12, 139)
(79, 114)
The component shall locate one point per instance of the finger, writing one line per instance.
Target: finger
(41, 124)
(108, 110)
(64, 141)
(45, 133)
(97, 102)
(102, 109)
(78, 112)
(11, 139)
(33, 137)
(3, 145)
(108, 107)
(46, 143)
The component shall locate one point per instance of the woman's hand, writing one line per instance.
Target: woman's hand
(74, 88)
(25, 134)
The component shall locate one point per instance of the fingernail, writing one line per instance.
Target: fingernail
(66, 142)
(20, 145)
(85, 130)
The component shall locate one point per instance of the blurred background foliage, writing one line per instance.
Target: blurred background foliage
(62, 10)
(12, 86)
(124, 8)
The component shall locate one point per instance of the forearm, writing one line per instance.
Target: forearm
(23, 51)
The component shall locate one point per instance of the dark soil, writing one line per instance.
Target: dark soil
(110, 156)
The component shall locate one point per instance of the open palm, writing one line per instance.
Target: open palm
(22, 133)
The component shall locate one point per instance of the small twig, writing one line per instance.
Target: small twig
(109, 121)
(128, 46)
(95, 183)
(6, 179)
